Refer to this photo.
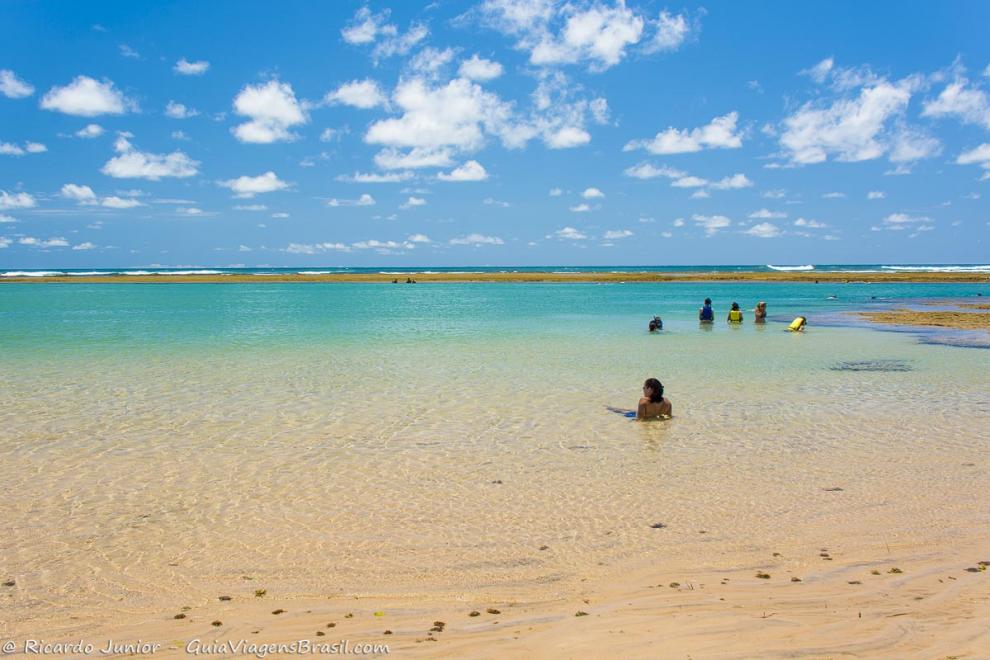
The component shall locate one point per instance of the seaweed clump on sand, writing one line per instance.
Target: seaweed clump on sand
(879, 366)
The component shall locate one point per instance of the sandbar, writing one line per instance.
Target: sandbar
(529, 276)
(932, 319)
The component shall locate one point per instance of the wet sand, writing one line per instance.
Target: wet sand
(889, 603)
(783, 276)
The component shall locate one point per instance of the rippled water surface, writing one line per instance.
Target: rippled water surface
(161, 442)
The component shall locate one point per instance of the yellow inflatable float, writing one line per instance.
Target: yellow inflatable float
(797, 325)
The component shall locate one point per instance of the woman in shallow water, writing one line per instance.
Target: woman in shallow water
(760, 313)
(653, 405)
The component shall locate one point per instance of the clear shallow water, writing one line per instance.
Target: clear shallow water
(162, 441)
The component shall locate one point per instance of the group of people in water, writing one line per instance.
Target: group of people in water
(707, 315)
(653, 404)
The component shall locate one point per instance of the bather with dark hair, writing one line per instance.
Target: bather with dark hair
(653, 405)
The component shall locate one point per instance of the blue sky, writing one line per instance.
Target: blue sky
(500, 132)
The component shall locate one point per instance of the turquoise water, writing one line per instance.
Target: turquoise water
(59, 318)
(162, 440)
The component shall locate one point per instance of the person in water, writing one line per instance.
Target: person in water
(656, 324)
(706, 314)
(735, 314)
(798, 324)
(652, 405)
(760, 312)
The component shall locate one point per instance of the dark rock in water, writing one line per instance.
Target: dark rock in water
(883, 366)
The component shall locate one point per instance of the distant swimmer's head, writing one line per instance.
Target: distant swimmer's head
(653, 389)
(708, 301)
(735, 305)
(761, 305)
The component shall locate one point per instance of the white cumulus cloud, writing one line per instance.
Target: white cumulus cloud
(672, 30)
(131, 163)
(592, 193)
(767, 214)
(476, 239)
(187, 68)
(114, 202)
(176, 110)
(711, 223)
(457, 114)
(249, 186)
(850, 129)
(272, 109)
(472, 170)
(764, 230)
(376, 177)
(569, 234)
(959, 99)
(646, 170)
(86, 97)
(720, 133)
(78, 193)
(16, 201)
(418, 157)
(413, 201)
(363, 200)
(90, 131)
(13, 87)
(478, 68)
(614, 234)
(734, 182)
(370, 28)
(567, 137)
(362, 94)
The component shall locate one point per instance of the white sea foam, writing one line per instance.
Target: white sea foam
(806, 267)
(91, 272)
(941, 269)
(31, 273)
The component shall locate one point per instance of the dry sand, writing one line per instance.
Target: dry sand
(785, 276)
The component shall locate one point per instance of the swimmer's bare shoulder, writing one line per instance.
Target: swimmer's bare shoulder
(649, 410)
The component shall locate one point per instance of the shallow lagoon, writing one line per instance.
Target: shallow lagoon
(163, 441)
